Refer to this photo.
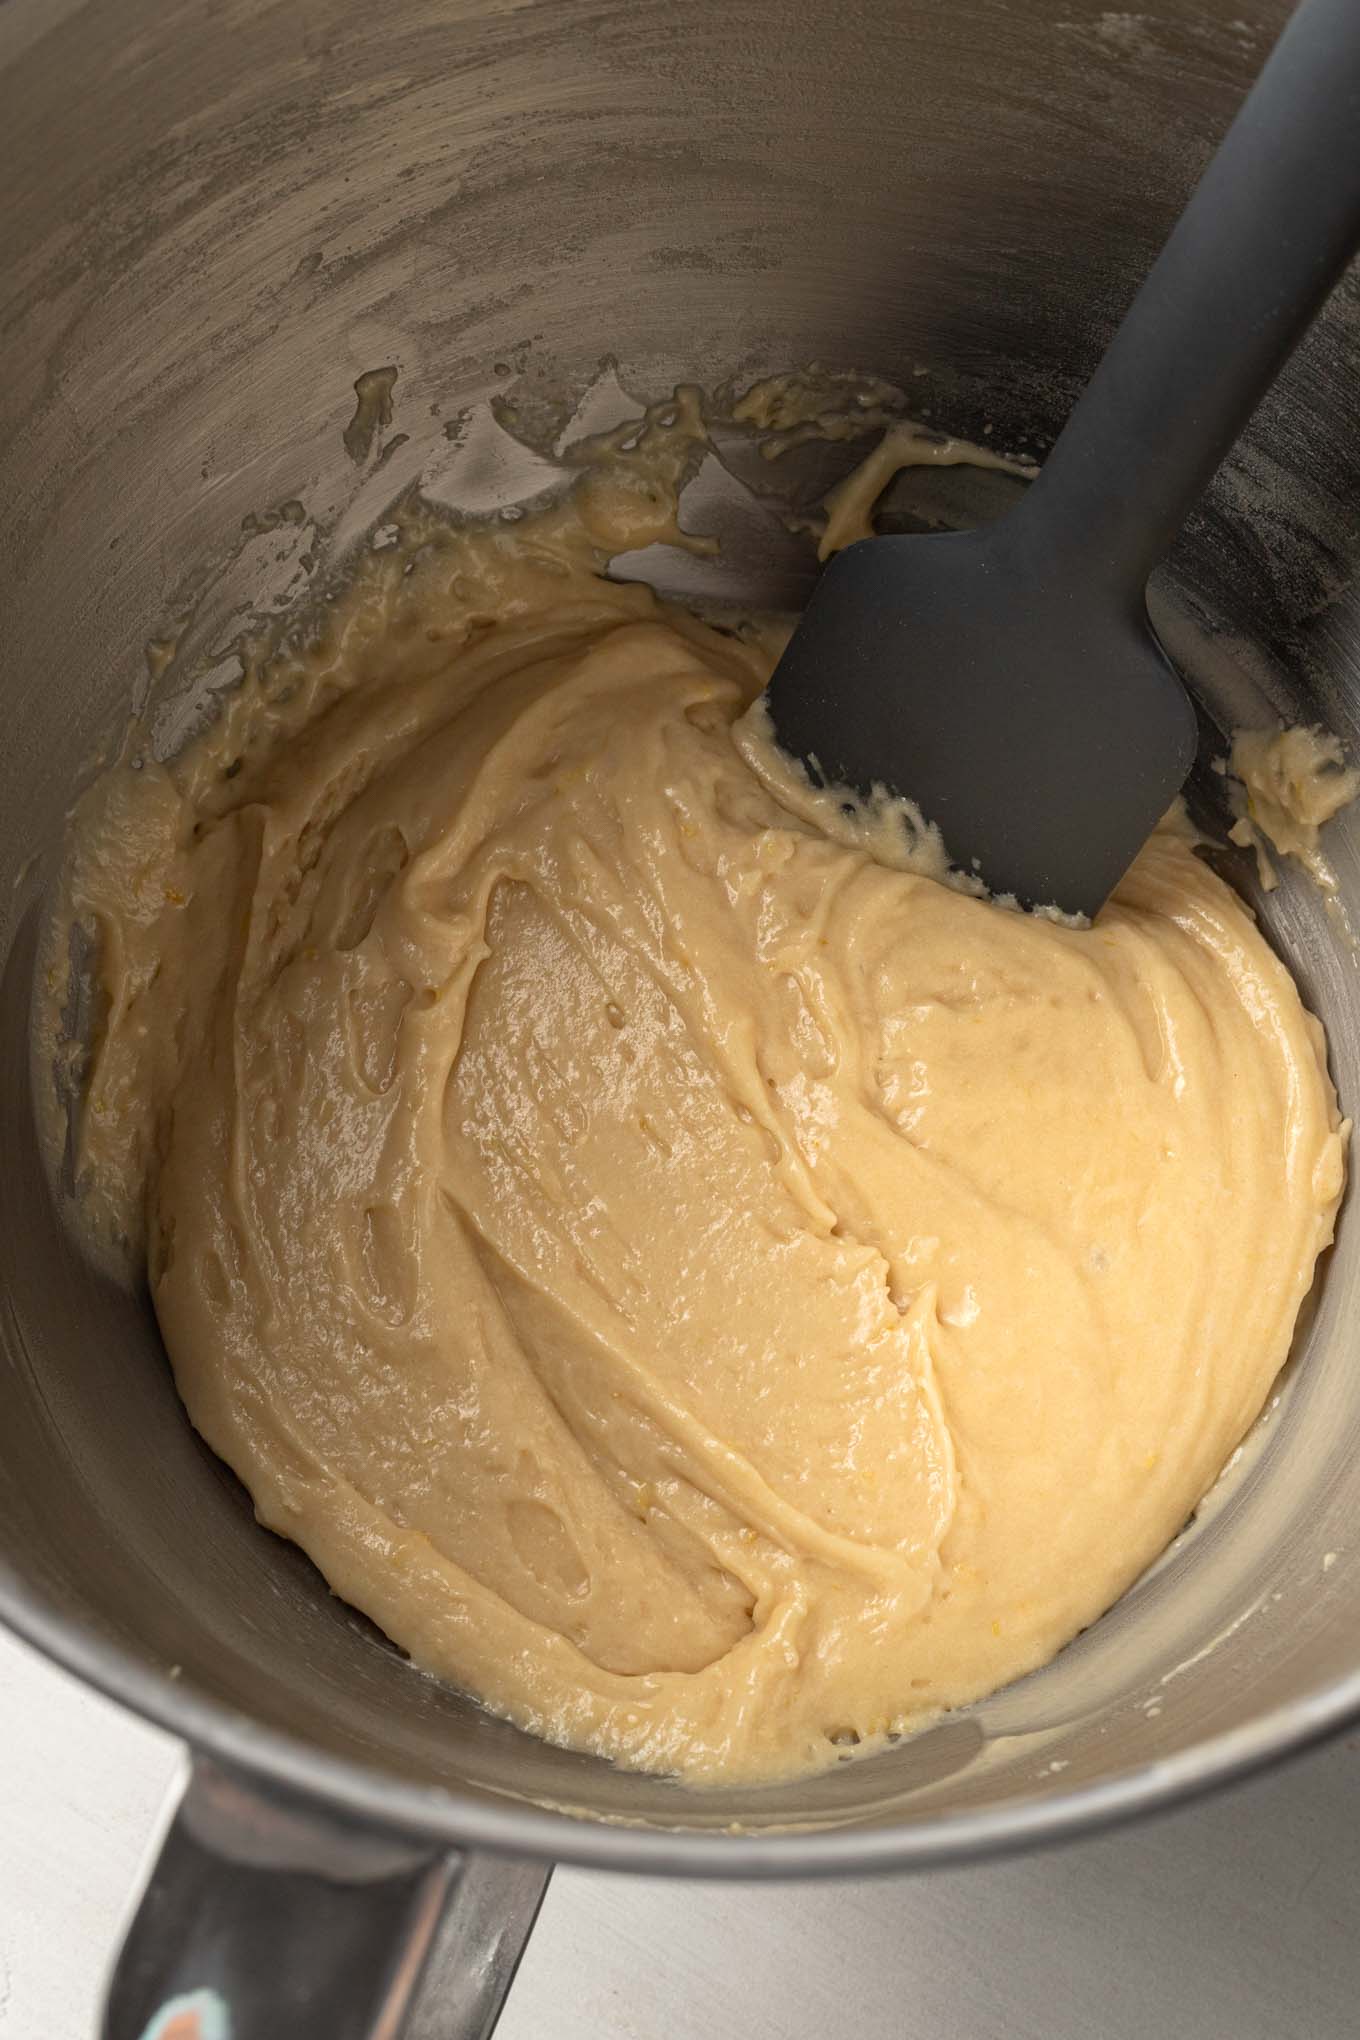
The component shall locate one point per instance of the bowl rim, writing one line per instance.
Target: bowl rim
(271, 1757)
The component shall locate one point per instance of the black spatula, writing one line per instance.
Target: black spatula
(1008, 680)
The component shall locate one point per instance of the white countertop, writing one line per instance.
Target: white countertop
(1235, 1920)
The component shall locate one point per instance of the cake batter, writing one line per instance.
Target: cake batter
(717, 1298)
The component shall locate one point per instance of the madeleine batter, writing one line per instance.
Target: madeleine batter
(716, 1298)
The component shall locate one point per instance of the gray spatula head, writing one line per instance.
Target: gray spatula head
(1044, 733)
(1008, 681)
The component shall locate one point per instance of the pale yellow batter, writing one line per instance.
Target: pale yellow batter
(1289, 782)
(714, 1297)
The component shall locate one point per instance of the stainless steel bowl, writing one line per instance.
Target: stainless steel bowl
(217, 217)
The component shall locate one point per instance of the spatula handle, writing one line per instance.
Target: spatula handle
(1265, 236)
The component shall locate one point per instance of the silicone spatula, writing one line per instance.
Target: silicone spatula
(1007, 680)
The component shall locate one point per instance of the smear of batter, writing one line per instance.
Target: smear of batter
(716, 1298)
(1291, 782)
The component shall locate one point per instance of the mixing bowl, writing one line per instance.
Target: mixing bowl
(221, 218)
